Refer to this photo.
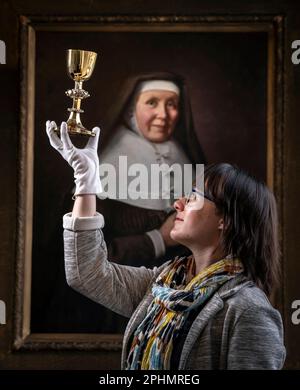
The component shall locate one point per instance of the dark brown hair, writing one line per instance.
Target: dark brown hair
(250, 219)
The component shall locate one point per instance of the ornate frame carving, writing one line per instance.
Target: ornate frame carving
(30, 25)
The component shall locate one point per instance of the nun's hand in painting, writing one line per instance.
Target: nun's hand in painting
(85, 162)
(166, 228)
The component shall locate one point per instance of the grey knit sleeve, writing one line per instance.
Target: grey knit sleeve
(88, 271)
(257, 341)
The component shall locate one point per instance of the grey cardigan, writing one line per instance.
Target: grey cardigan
(237, 329)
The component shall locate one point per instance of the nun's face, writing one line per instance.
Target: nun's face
(157, 114)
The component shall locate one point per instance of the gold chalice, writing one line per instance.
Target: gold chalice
(80, 66)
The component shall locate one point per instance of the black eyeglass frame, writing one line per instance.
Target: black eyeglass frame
(196, 191)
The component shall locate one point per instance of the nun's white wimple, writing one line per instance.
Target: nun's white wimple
(162, 85)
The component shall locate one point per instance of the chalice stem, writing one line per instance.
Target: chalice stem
(76, 103)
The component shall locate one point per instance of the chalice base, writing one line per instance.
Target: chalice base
(76, 128)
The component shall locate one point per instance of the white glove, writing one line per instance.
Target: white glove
(85, 162)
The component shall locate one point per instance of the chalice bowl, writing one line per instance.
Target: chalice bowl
(80, 66)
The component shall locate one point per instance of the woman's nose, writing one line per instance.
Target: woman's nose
(179, 204)
(161, 111)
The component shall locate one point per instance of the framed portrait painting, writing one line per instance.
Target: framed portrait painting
(232, 69)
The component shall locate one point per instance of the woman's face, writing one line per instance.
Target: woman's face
(198, 222)
(157, 114)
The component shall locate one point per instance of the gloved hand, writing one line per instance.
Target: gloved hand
(85, 162)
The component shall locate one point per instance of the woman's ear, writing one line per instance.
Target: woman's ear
(221, 224)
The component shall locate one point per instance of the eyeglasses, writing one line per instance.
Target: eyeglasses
(195, 194)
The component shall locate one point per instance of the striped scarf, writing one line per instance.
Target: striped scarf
(173, 299)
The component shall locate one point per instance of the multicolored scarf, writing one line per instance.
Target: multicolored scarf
(174, 298)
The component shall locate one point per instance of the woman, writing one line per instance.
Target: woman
(205, 311)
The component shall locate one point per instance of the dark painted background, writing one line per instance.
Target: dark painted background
(226, 75)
